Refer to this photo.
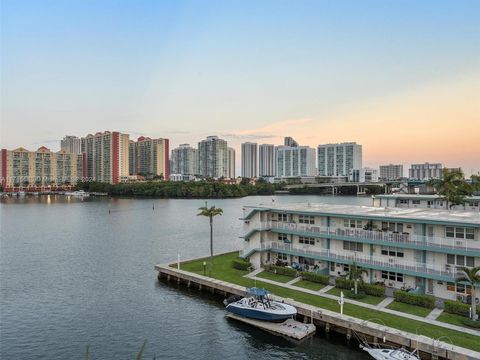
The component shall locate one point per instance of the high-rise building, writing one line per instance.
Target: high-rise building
(295, 161)
(71, 144)
(391, 172)
(39, 170)
(184, 160)
(339, 159)
(364, 174)
(249, 160)
(231, 163)
(107, 156)
(151, 157)
(425, 171)
(266, 160)
(289, 141)
(213, 157)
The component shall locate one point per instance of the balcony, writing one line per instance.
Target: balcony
(405, 240)
(437, 272)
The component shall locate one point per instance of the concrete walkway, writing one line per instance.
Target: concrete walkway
(325, 289)
(385, 302)
(369, 306)
(297, 279)
(434, 314)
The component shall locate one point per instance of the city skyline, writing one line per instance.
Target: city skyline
(407, 93)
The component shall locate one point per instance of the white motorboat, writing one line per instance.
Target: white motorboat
(379, 353)
(258, 305)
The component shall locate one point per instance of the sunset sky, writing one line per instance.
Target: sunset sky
(402, 78)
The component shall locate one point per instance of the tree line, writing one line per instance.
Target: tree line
(207, 189)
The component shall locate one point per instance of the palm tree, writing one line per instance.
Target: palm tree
(355, 273)
(472, 277)
(453, 187)
(210, 212)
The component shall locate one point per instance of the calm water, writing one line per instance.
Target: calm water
(72, 274)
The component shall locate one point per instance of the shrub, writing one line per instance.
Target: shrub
(317, 278)
(458, 308)
(374, 290)
(471, 323)
(343, 283)
(282, 270)
(241, 264)
(351, 295)
(426, 301)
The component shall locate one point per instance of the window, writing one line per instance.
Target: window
(282, 217)
(352, 246)
(306, 240)
(459, 288)
(306, 219)
(460, 260)
(392, 251)
(392, 227)
(346, 268)
(282, 257)
(353, 224)
(460, 232)
(416, 202)
(282, 237)
(392, 276)
(403, 201)
(306, 261)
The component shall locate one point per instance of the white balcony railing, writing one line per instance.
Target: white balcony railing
(361, 259)
(395, 239)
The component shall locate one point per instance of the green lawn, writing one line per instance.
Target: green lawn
(275, 277)
(224, 271)
(451, 318)
(310, 285)
(410, 309)
(368, 299)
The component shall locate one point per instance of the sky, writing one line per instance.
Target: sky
(402, 77)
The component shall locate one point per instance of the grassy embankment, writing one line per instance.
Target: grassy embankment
(224, 271)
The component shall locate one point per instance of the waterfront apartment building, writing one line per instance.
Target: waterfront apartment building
(249, 160)
(400, 248)
(391, 172)
(412, 201)
(364, 174)
(107, 156)
(266, 160)
(213, 157)
(425, 171)
(150, 156)
(231, 163)
(339, 159)
(71, 144)
(39, 170)
(185, 160)
(297, 161)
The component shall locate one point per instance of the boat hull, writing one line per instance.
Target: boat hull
(258, 314)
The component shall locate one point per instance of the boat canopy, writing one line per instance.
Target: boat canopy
(257, 291)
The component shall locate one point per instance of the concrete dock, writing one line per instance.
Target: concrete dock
(329, 321)
(289, 328)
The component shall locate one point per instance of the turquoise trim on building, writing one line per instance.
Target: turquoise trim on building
(349, 262)
(370, 241)
(362, 217)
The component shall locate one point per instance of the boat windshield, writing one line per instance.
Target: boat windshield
(259, 295)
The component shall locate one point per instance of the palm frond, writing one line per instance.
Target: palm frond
(87, 353)
(140, 353)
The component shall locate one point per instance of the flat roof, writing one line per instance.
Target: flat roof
(415, 215)
(419, 196)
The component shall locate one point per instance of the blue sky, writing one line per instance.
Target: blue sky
(239, 69)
